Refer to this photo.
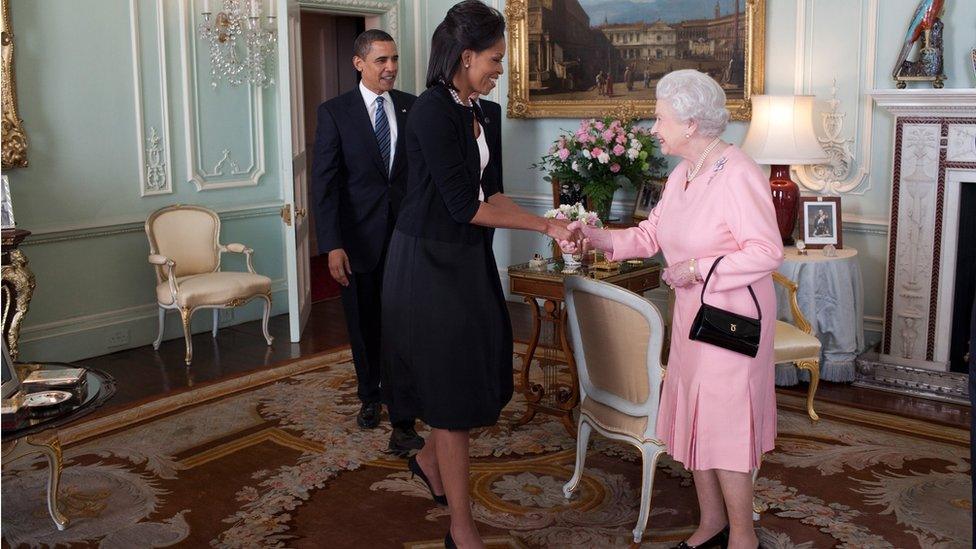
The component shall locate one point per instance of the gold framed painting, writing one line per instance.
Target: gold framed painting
(588, 58)
(14, 138)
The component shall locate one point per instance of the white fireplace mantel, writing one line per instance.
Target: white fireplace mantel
(934, 154)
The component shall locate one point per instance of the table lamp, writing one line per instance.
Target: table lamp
(781, 134)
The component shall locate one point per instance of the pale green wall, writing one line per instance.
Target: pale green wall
(81, 193)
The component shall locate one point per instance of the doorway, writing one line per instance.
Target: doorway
(327, 72)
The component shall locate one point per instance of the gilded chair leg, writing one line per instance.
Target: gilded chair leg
(162, 325)
(185, 313)
(757, 507)
(216, 320)
(649, 456)
(267, 316)
(582, 442)
(812, 366)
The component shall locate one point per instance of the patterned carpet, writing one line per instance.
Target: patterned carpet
(275, 459)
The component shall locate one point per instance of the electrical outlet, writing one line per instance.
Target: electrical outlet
(226, 316)
(117, 338)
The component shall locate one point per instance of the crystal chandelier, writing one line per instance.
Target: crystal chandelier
(242, 42)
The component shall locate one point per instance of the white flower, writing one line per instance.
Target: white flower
(635, 144)
(586, 153)
(604, 157)
(633, 154)
(575, 166)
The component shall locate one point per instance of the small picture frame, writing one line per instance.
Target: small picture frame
(820, 221)
(648, 196)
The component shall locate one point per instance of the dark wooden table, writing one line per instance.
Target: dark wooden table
(553, 394)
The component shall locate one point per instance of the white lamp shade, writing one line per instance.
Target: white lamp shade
(781, 131)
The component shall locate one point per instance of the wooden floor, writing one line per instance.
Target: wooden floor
(142, 373)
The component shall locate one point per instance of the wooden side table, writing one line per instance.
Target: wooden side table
(553, 396)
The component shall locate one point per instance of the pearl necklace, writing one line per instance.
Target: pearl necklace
(691, 174)
(457, 98)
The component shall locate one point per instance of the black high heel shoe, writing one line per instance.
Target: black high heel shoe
(415, 470)
(449, 541)
(718, 541)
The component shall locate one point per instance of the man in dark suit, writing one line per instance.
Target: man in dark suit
(359, 176)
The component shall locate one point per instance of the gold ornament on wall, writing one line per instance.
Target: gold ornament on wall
(14, 138)
(568, 62)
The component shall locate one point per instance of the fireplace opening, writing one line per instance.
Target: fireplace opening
(965, 287)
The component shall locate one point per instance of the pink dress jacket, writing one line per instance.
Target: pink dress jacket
(718, 407)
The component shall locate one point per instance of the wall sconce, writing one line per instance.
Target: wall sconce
(242, 43)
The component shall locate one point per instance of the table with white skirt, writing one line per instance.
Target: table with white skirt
(831, 296)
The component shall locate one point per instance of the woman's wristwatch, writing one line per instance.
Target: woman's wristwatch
(693, 267)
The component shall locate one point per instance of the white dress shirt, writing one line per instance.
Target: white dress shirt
(370, 99)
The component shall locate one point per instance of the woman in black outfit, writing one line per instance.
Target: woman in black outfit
(446, 329)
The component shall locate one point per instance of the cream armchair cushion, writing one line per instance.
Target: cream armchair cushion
(793, 344)
(213, 289)
(185, 251)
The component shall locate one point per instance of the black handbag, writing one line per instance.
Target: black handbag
(726, 329)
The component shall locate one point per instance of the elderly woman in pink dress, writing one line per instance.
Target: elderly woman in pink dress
(718, 407)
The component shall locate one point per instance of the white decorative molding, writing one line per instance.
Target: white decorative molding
(847, 172)
(154, 149)
(218, 169)
(62, 233)
(196, 172)
(388, 9)
(960, 102)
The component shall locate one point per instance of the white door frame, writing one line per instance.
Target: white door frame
(382, 14)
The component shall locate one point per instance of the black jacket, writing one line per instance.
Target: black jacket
(355, 201)
(444, 165)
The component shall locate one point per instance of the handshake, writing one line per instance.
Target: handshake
(580, 237)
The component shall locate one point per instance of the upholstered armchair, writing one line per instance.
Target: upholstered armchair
(617, 337)
(796, 343)
(185, 251)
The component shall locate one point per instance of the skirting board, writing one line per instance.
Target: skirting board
(101, 334)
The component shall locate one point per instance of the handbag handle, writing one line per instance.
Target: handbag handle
(707, 278)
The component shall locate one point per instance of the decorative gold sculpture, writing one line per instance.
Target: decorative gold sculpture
(14, 137)
(567, 74)
(18, 288)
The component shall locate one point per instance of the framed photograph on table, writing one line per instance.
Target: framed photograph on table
(820, 221)
(648, 196)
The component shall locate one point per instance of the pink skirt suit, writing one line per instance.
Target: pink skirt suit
(718, 407)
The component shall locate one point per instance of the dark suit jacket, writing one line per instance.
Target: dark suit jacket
(491, 118)
(355, 201)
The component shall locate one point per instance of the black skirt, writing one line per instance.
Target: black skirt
(447, 335)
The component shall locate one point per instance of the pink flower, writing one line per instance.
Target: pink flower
(599, 126)
(621, 138)
(564, 153)
(583, 138)
(614, 167)
(597, 151)
(561, 215)
(608, 135)
(617, 150)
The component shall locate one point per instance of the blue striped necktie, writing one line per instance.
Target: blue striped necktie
(382, 129)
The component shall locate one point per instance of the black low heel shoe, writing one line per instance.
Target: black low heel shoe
(417, 471)
(449, 541)
(718, 541)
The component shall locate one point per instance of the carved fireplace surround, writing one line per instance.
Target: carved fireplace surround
(934, 155)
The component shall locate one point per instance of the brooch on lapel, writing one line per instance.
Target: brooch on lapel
(719, 166)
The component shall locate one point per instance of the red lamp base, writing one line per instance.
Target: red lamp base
(786, 198)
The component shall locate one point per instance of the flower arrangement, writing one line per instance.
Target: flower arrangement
(576, 212)
(601, 156)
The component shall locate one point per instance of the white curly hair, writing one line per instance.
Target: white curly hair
(697, 97)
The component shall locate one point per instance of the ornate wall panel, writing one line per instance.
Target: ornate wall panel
(151, 96)
(841, 79)
(224, 125)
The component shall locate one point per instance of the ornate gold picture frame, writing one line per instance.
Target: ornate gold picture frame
(566, 61)
(14, 138)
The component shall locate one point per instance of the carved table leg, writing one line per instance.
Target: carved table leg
(532, 392)
(18, 284)
(50, 446)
